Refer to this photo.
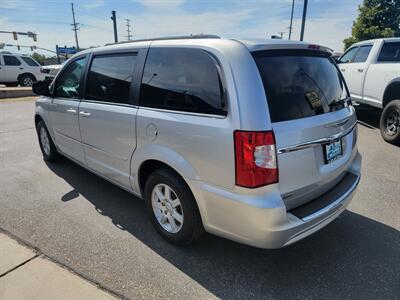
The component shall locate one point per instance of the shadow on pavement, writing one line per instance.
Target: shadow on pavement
(368, 116)
(353, 257)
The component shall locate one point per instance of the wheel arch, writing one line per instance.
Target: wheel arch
(392, 92)
(26, 74)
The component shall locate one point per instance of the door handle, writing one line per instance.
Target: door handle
(85, 114)
(72, 111)
(21, 68)
(360, 70)
(342, 70)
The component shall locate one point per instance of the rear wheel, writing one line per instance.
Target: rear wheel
(27, 80)
(172, 208)
(47, 146)
(390, 122)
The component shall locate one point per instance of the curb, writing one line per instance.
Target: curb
(16, 92)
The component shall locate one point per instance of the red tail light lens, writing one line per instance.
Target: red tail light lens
(256, 163)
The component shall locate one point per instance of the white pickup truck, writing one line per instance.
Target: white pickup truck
(372, 72)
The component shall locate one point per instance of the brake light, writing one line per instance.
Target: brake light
(256, 162)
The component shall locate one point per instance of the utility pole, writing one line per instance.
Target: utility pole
(114, 18)
(128, 29)
(303, 21)
(291, 21)
(75, 26)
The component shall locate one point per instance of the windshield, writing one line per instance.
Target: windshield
(300, 83)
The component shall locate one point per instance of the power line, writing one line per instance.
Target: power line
(128, 29)
(75, 27)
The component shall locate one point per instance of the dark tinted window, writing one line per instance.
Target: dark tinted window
(110, 77)
(362, 54)
(11, 60)
(182, 79)
(300, 84)
(68, 84)
(346, 58)
(390, 52)
(29, 61)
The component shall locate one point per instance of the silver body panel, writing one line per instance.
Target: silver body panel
(114, 141)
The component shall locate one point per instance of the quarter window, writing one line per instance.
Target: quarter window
(183, 80)
(110, 77)
(10, 60)
(362, 54)
(69, 82)
(390, 52)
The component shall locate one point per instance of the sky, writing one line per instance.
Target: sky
(328, 21)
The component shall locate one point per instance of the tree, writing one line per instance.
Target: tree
(376, 19)
(40, 58)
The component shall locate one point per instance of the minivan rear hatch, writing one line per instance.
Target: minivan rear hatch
(312, 118)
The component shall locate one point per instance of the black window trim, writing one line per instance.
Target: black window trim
(140, 54)
(221, 75)
(377, 61)
(82, 82)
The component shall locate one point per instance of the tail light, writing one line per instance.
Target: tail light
(256, 163)
(41, 70)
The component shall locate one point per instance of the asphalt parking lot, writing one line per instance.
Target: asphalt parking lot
(102, 232)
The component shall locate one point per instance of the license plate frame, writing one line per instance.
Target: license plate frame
(333, 151)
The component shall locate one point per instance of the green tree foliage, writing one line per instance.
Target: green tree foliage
(377, 19)
(40, 58)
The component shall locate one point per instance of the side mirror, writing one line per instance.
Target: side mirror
(41, 88)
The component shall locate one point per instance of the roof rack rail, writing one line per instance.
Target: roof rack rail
(177, 37)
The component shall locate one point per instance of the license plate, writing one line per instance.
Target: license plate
(333, 151)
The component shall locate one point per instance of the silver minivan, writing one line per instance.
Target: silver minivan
(254, 141)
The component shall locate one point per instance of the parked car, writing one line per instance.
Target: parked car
(372, 72)
(18, 69)
(50, 71)
(254, 141)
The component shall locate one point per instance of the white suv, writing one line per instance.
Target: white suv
(19, 69)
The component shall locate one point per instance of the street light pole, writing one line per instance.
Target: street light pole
(303, 21)
(114, 18)
(291, 21)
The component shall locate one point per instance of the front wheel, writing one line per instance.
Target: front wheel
(172, 207)
(47, 146)
(390, 122)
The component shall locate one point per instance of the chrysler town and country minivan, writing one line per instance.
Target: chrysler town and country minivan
(254, 141)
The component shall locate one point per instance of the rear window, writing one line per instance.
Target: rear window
(390, 52)
(300, 83)
(29, 61)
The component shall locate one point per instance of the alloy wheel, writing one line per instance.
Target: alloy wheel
(167, 208)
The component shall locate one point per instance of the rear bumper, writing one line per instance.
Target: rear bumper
(262, 220)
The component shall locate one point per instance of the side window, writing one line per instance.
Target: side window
(346, 58)
(390, 52)
(29, 61)
(10, 60)
(182, 79)
(110, 77)
(362, 54)
(68, 84)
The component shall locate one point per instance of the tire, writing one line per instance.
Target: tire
(27, 80)
(185, 216)
(390, 123)
(47, 146)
